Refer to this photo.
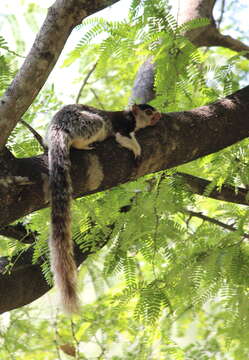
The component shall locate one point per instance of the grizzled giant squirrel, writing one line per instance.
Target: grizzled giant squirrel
(79, 126)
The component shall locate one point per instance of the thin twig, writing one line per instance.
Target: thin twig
(103, 349)
(214, 221)
(221, 13)
(12, 52)
(97, 98)
(85, 82)
(38, 137)
(76, 342)
(183, 313)
(56, 338)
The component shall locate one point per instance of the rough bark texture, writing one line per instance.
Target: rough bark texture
(26, 282)
(62, 17)
(177, 139)
(194, 9)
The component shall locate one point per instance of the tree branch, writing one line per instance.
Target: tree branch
(19, 232)
(97, 98)
(38, 137)
(204, 36)
(23, 272)
(26, 283)
(217, 39)
(215, 221)
(85, 82)
(222, 10)
(228, 193)
(178, 138)
(61, 18)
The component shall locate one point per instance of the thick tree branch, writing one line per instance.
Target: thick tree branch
(178, 138)
(62, 17)
(208, 35)
(217, 39)
(26, 283)
(24, 272)
(194, 9)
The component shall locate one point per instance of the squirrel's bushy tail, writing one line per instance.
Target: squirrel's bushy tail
(61, 245)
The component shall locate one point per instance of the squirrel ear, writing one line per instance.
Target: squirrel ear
(157, 116)
(135, 109)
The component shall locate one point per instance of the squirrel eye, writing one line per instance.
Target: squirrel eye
(148, 112)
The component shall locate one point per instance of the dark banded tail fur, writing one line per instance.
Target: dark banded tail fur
(60, 243)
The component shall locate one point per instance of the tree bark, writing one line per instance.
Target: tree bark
(26, 283)
(61, 19)
(143, 89)
(196, 185)
(178, 138)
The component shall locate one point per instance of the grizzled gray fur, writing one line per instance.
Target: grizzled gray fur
(79, 126)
